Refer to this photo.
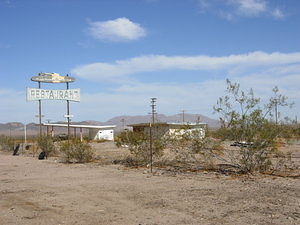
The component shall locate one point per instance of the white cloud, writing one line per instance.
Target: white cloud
(277, 13)
(232, 9)
(227, 15)
(134, 99)
(197, 97)
(121, 29)
(122, 69)
(249, 7)
(203, 5)
(258, 70)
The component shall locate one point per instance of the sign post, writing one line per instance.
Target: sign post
(38, 94)
(40, 113)
(68, 111)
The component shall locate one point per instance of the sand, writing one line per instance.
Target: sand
(48, 192)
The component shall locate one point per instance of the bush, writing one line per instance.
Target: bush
(138, 144)
(76, 151)
(244, 120)
(7, 143)
(190, 146)
(183, 144)
(46, 144)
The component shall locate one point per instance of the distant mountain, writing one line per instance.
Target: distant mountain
(121, 122)
(10, 126)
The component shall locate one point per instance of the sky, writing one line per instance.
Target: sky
(122, 53)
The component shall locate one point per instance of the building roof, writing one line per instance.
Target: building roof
(79, 126)
(167, 124)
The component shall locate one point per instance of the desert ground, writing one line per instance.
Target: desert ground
(49, 192)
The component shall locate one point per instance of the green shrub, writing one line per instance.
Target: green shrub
(190, 146)
(7, 143)
(138, 144)
(245, 120)
(46, 144)
(76, 151)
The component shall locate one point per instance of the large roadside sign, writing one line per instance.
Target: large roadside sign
(52, 78)
(35, 94)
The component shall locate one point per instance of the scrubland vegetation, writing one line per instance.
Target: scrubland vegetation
(246, 172)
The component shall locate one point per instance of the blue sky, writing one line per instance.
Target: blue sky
(123, 52)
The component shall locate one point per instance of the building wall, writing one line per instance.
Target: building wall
(195, 131)
(171, 129)
(157, 131)
(102, 134)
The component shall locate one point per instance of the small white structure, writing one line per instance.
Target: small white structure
(162, 129)
(102, 133)
(95, 132)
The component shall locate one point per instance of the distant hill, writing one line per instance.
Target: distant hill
(121, 122)
(17, 129)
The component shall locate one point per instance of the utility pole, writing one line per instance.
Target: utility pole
(123, 123)
(182, 115)
(153, 112)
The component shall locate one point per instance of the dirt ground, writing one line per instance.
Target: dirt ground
(48, 192)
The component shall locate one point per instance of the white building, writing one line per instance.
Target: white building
(162, 129)
(95, 132)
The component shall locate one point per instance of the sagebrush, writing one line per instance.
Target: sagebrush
(138, 144)
(76, 151)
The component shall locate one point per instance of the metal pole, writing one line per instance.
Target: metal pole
(25, 134)
(151, 150)
(153, 100)
(40, 113)
(183, 115)
(123, 123)
(48, 128)
(68, 112)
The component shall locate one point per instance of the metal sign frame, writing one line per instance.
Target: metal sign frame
(43, 94)
(52, 78)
